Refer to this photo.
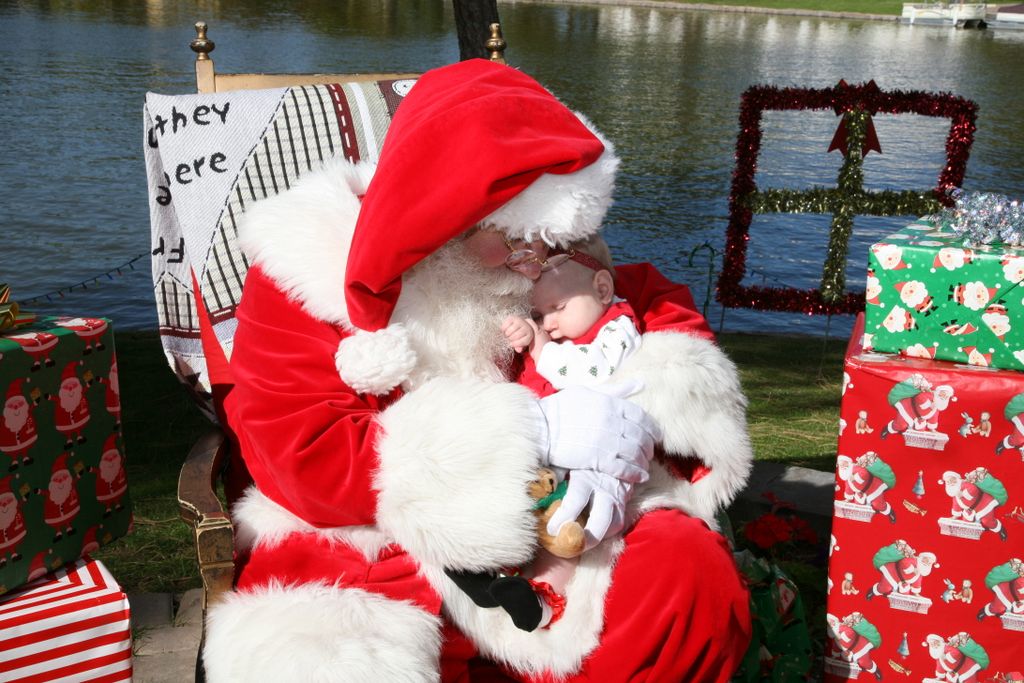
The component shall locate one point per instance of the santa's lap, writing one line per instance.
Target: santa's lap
(676, 611)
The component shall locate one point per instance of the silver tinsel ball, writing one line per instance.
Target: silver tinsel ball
(985, 218)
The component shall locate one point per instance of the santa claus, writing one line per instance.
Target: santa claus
(89, 330)
(72, 412)
(36, 344)
(1006, 581)
(111, 484)
(901, 570)
(113, 395)
(12, 523)
(867, 479)
(976, 498)
(958, 659)
(18, 431)
(917, 405)
(853, 639)
(62, 503)
(1014, 414)
(373, 407)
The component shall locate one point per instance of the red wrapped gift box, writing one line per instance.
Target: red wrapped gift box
(71, 625)
(926, 577)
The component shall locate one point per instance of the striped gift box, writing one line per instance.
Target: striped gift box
(70, 625)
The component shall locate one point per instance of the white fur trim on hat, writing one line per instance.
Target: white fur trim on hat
(562, 208)
(375, 362)
(315, 632)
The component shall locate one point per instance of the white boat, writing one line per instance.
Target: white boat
(1008, 16)
(1011, 13)
(961, 15)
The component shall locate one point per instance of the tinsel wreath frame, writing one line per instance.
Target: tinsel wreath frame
(856, 104)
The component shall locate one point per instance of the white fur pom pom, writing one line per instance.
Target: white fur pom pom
(375, 362)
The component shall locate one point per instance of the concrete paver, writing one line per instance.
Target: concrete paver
(165, 651)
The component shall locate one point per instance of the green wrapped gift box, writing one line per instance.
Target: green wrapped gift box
(63, 491)
(930, 296)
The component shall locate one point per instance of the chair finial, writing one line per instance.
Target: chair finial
(201, 45)
(496, 44)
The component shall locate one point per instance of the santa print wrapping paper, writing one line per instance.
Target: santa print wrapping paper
(63, 491)
(72, 625)
(929, 296)
(926, 580)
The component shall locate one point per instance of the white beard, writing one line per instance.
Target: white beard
(453, 308)
(70, 398)
(8, 510)
(15, 419)
(109, 467)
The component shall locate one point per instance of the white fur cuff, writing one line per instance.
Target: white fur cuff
(455, 460)
(375, 362)
(692, 390)
(315, 632)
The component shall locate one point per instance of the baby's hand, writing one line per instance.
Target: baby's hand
(519, 332)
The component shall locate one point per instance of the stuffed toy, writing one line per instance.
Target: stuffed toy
(548, 492)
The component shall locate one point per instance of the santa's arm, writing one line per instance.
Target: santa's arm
(690, 387)
(307, 439)
(443, 470)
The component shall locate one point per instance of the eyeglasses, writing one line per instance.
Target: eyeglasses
(525, 260)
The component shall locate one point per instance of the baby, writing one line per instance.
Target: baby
(580, 333)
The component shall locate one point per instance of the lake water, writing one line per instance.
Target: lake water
(663, 84)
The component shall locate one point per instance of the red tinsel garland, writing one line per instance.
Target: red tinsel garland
(841, 98)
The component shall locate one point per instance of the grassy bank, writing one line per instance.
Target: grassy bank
(792, 384)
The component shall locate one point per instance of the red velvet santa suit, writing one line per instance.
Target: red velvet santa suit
(362, 498)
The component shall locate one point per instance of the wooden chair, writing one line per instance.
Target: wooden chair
(201, 481)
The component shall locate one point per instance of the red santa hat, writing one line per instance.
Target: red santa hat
(61, 463)
(976, 357)
(14, 389)
(110, 445)
(473, 143)
(5, 485)
(70, 371)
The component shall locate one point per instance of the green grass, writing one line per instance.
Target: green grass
(859, 6)
(792, 384)
(160, 423)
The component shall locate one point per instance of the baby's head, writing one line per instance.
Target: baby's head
(570, 298)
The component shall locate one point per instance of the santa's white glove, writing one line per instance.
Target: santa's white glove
(607, 497)
(597, 428)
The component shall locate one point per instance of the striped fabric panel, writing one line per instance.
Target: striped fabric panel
(313, 123)
(176, 306)
(72, 625)
(303, 133)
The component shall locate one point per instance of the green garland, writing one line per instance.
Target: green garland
(846, 200)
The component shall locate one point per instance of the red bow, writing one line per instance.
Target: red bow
(855, 97)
